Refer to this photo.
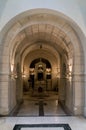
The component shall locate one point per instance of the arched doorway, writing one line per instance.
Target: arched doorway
(61, 44)
(40, 74)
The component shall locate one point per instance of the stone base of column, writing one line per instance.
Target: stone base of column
(16, 108)
(66, 109)
(84, 113)
(78, 110)
(4, 111)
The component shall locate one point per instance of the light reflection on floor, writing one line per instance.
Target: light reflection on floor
(75, 122)
(33, 105)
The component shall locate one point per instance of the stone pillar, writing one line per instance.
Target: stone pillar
(19, 88)
(85, 97)
(62, 89)
(78, 84)
(78, 94)
(69, 94)
(19, 84)
(4, 90)
(12, 93)
(54, 77)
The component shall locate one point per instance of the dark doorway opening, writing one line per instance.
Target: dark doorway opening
(40, 76)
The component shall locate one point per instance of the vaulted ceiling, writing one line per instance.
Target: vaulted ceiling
(52, 32)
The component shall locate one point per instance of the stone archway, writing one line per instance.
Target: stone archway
(59, 33)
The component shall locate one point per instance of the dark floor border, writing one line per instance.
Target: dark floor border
(19, 126)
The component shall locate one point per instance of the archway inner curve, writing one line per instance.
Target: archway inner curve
(61, 37)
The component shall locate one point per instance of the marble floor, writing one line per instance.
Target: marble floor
(40, 106)
(76, 123)
(39, 110)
